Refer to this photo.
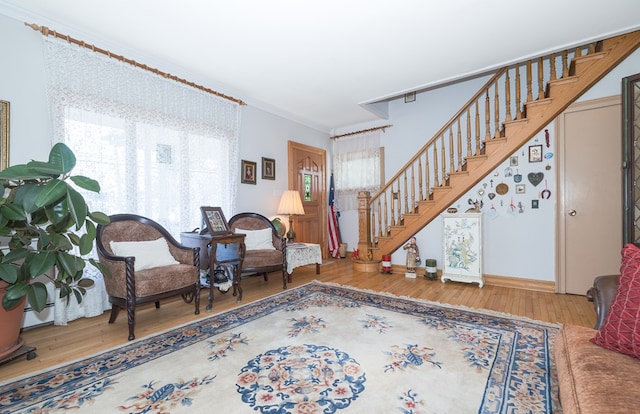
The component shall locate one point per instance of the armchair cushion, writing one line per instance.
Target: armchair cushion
(148, 254)
(257, 239)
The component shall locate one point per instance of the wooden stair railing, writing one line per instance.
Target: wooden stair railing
(489, 128)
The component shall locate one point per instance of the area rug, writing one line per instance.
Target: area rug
(318, 348)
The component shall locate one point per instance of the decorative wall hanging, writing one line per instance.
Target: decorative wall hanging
(513, 161)
(248, 171)
(535, 153)
(534, 203)
(268, 168)
(520, 189)
(502, 189)
(517, 177)
(535, 178)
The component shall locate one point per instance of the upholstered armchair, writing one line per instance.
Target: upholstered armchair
(266, 251)
(146, 264)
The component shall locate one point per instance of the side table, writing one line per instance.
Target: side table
(222, 249)
(301, 254)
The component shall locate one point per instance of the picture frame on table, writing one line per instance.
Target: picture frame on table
(268, 168)
(248, 171)
(214, 220)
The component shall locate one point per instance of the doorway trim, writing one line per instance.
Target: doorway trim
(291, 146)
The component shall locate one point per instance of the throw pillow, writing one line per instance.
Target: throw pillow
(257, 239)
(148, 254)
(621, 329)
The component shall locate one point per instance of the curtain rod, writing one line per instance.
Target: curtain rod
(48, 32)
(361, 132)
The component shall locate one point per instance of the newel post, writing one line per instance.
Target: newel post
(364, 222)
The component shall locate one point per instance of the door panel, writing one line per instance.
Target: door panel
(590, 210)
(308, 177)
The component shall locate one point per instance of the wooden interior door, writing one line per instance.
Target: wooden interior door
(590, 193)
(307, 174)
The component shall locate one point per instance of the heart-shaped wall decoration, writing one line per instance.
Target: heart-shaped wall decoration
(535, 178)
(491, 196)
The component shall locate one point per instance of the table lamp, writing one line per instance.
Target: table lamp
(291, 204)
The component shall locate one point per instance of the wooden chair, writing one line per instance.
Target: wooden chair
(129, 285)
(261, 261)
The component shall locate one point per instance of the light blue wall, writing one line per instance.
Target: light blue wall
(22, 83)
(521, 245)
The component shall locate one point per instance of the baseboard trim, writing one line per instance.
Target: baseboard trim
(520, 283)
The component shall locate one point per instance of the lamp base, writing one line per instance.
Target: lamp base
(291, 235)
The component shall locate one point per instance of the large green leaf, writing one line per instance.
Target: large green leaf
(41, 262)
(19, 172)
(58, 214)
(15, 254)
(60, 241)
(26, 196)
(51, 193)
(86, 183)
(9, 273)
(69, 263)
(14, 295)
(63, 157)
(99, 217)
(37, 296)
(45, 169)
(13, 212)
(77, 207)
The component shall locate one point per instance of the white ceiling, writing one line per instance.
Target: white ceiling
(322, 62)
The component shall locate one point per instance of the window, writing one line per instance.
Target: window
(357, 166)
(158, 148)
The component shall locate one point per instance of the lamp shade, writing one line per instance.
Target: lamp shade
(290, 203)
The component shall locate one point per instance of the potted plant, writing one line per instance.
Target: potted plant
(43, 218)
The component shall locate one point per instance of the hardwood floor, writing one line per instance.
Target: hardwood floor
(60, 344)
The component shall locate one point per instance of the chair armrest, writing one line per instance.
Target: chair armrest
(601, 294)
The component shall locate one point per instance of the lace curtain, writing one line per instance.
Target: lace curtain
(159, 148)
(357, 162)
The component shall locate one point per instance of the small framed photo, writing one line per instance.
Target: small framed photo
(248, 170)
(534, 203)
(268, 168)
(513, 161)
(535, 153)
(520, 189)
(214, 220)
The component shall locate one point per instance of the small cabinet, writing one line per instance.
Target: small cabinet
(462, 248)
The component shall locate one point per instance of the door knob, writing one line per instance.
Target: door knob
(572, 212)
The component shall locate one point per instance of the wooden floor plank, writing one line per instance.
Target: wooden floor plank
(87, 336)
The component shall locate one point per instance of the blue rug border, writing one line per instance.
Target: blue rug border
(116, 360)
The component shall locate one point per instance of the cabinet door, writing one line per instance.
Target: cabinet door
(462, 248)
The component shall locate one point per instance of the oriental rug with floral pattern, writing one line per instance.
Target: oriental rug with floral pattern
(318, 348)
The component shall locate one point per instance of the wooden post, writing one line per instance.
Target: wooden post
(364, 224)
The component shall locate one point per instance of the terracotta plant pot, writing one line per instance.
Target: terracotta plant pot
(10, 324)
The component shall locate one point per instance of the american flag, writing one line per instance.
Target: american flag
(334, 231)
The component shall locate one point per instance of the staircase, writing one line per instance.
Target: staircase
(488, 129)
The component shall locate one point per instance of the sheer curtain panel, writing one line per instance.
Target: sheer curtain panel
(159, 148)
(357, 166)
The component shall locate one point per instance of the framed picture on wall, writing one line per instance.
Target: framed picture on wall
(268, 168)
(248, 171)
(535, 153)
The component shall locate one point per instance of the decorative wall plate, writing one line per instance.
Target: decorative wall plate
(502, 189)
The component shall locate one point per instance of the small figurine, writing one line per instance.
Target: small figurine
(413, 255)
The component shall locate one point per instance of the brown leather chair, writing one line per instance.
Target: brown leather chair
(601, 294)
(262, 261)
(128, 287)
